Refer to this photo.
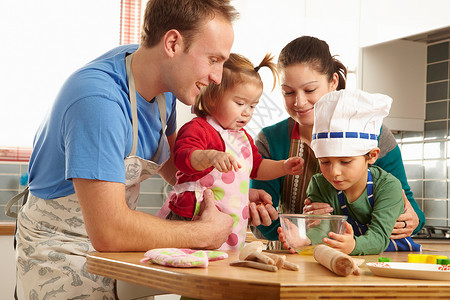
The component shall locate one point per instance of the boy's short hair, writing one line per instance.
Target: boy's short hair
(186, 16)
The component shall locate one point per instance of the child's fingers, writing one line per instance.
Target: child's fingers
(333, 243)
(217, 166)
(223, 166)
(348, 228)
(337, 237)
(228, 166)
(236, 165)
(282, 239)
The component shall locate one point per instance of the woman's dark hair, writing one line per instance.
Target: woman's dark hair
(316, 53)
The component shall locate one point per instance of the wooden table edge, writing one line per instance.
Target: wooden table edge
(207, 287)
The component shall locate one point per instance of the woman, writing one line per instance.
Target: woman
(307, 72)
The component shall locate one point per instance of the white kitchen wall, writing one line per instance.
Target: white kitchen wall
(268, 25)
(50, 39)
(43, 42)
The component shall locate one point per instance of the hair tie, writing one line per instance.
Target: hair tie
(257, 68)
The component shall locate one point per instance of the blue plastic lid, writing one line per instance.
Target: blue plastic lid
(24, 179)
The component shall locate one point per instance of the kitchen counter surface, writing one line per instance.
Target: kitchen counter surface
(443, 244)
(221, 281)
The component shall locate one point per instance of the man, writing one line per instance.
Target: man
(111, 127)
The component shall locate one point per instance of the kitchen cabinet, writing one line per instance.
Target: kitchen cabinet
(393, 41)
(398, 69)
(387, 20)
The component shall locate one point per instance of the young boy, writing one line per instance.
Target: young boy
(344, 139)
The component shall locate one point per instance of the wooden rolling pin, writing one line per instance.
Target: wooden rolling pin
(251, 256)
(335, 261)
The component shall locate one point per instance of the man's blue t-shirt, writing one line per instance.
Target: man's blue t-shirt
(88, 132)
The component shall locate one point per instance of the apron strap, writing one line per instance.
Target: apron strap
(11, 214)
(161, 100)
(132, 94)
(358, 229)
(14, 200)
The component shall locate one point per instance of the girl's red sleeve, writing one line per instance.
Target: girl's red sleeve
(197, 134)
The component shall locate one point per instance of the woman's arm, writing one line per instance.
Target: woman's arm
(388, 205)
(390, 160)
(272, 187)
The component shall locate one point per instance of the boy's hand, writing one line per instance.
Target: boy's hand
(342, 242)
(293, 165)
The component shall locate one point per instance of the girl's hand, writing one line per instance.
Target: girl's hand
(282, 239)
(291, 237)
(293, 165)
(316, 208)
(342, 242)
(223, 161)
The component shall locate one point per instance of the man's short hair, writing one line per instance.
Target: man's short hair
(186, 16)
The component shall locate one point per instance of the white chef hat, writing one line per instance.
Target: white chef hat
(347, 123)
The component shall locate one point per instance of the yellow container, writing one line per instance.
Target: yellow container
(431, 259)
(418, 258)
(424, 258)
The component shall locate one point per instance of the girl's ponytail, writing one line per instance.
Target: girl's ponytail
(268, 62)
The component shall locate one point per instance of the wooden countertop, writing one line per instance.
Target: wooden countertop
(221, 281)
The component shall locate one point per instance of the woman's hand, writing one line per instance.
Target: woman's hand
(317, 208)
(342, 242)
(406, 223)
(261, 210)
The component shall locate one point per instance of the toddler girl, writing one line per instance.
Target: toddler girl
(214, 151)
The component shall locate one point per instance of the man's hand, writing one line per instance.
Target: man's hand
(261, 208)
(217, 223)
(316, 208)
(406, 223)
(342, 242)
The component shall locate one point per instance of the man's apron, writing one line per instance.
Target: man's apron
(230, 189)
(51, 236)
(403, 244)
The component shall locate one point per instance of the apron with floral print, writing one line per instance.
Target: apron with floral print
(52, 242)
